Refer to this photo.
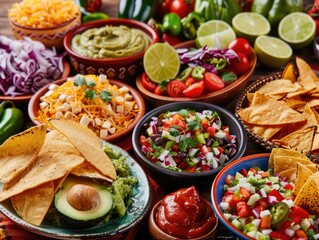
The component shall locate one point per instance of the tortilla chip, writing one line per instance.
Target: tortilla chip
(300, 92)
(311, 120)
(302, 175)
(279, 86)
(300, 140)
(264, 132)
(289, 72)
(19, 151)
(87, 170)
(295, 102)
(281, 152)
(87, 143)
(32, 205)
(266, 111)
(309, 194)
(315, 144)
(56, 159)
(289, 173)
(250, 97)
(313, 102)
(306, 73)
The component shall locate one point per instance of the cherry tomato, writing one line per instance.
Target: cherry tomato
(213, 82)
(92, 5)
(182, 7)
(229, 178)
(241, 65)
(147, 83)
(189, 81)
(162, 7)
(240, 45)
(158, 90)
(171, 40)
(194, 90)
(175, 88)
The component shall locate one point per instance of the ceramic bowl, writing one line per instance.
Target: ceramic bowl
(217, 189)
(124, 68)
(50, 37)
(158, 234)
(34, 106)
(173, 179)
(222, 96)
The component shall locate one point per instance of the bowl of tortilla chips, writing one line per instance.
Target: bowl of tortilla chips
(281, 110)
(302, 173)
(37, 165)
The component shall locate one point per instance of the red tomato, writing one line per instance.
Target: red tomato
(211, 131)
(189, 81)
(296, 210)
(162, 8)
(213, 82)
(241, 65)
(263, 202)
(243, 172)
(265, 222)
(182, 7)
(194, 90)
(147, 83)
(244, 192)
(175, 88)
(171, 40)
(240, 45)
(242, 209)
(277, 194)
(92, 5)
(229, 178)
(278, 235)
(158, 90)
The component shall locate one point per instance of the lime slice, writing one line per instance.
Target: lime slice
(298, 29)
(215, 34)
(272, 51)
(250, 25)
(161, 62)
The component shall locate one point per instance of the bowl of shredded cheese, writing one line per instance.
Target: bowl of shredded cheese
(110, 108)
(44, 21)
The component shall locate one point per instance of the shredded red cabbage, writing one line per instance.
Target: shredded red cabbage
(200, 57)
(26, 66)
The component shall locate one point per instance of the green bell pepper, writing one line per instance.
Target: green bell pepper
(217, 9)
(275, 10)
(198, 73)
(172, 24)
(94, 16)
(11, 120)
(190, 24)
(141, 10)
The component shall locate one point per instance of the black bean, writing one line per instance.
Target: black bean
(146, 125)
(209, 142)
(154, 136)
(159, 122)
(159, 141)
(181, 155)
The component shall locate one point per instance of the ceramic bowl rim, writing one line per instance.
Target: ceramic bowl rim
(162, 170)
(148, 30)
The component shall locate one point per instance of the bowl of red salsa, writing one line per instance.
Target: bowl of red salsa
(253, 203)
(187, 143)
(183, 214)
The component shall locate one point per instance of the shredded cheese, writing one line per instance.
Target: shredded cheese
(113, 116)
(43, 13)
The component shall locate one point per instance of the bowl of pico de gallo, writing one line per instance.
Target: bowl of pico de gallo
(254, 202)
(187, 143)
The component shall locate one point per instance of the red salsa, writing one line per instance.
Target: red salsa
(185, 214)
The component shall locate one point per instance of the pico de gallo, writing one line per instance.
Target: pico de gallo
(261, 205)
(188, 141)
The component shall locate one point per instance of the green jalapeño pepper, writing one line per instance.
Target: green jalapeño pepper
(198, 73)
(172, 24)
(141, 10)
(94, 16)
(279, 213)
(219, 63)
(185, 74)
(190, 24)
(11, 120)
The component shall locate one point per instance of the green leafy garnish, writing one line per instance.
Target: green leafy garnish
(106, 96)
(173, 131)
(90, 94)
(186, 143)
(193, 125)
(91, 84)
(79, 80)
(183, 112)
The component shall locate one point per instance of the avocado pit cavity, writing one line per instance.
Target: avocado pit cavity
(83, 197)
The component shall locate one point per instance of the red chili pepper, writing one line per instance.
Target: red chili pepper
(314, 13)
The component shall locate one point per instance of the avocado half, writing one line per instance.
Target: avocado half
(82, 202)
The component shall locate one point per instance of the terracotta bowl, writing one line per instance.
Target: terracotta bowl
(158, 234)
(123, 69)
(173, 179)
(34, 106)
(222, 96)
(25, 98)
(50, 37)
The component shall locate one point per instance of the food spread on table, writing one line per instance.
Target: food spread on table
(61, 171)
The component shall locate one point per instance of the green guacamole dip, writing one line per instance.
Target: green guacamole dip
(110, 42)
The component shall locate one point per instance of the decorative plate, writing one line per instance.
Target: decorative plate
(110, 230)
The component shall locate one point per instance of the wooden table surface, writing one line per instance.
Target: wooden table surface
(110, 7)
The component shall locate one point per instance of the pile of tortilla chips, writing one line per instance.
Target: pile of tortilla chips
(285, 111)
(303, 172)
(34, 164)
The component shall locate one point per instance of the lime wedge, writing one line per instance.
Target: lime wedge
(161, 62)
(272, 51)
(250, 25)
(215, 34)
(298, 29)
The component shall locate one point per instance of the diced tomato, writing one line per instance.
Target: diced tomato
(242, 209)
(211, 131)
(265, 174)
(204, 167)
(295, 218)
(265, 222)
(297, 210)
(204, 149)
(220, 149)
(278, 235)
(288, 186)
(229, 178)
(205, 123)
(177, 160)
(182, 165)
(276, 194)
(263, 202)
(144, 141)
(243, 172)
(232, 199)
(253, 170)
(177, 120)
(285, 225)
(189, 81)
(191, 169)
(301, 234)
(244, 192)
(194, 90)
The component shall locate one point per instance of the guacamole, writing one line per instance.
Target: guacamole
(110, 42)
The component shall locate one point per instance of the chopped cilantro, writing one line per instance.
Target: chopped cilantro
(91, 84)
(186, 143)
(183, 112)
(90, 94)
(193, 125)
(79, 80)
(106, 96)
(173, 131)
